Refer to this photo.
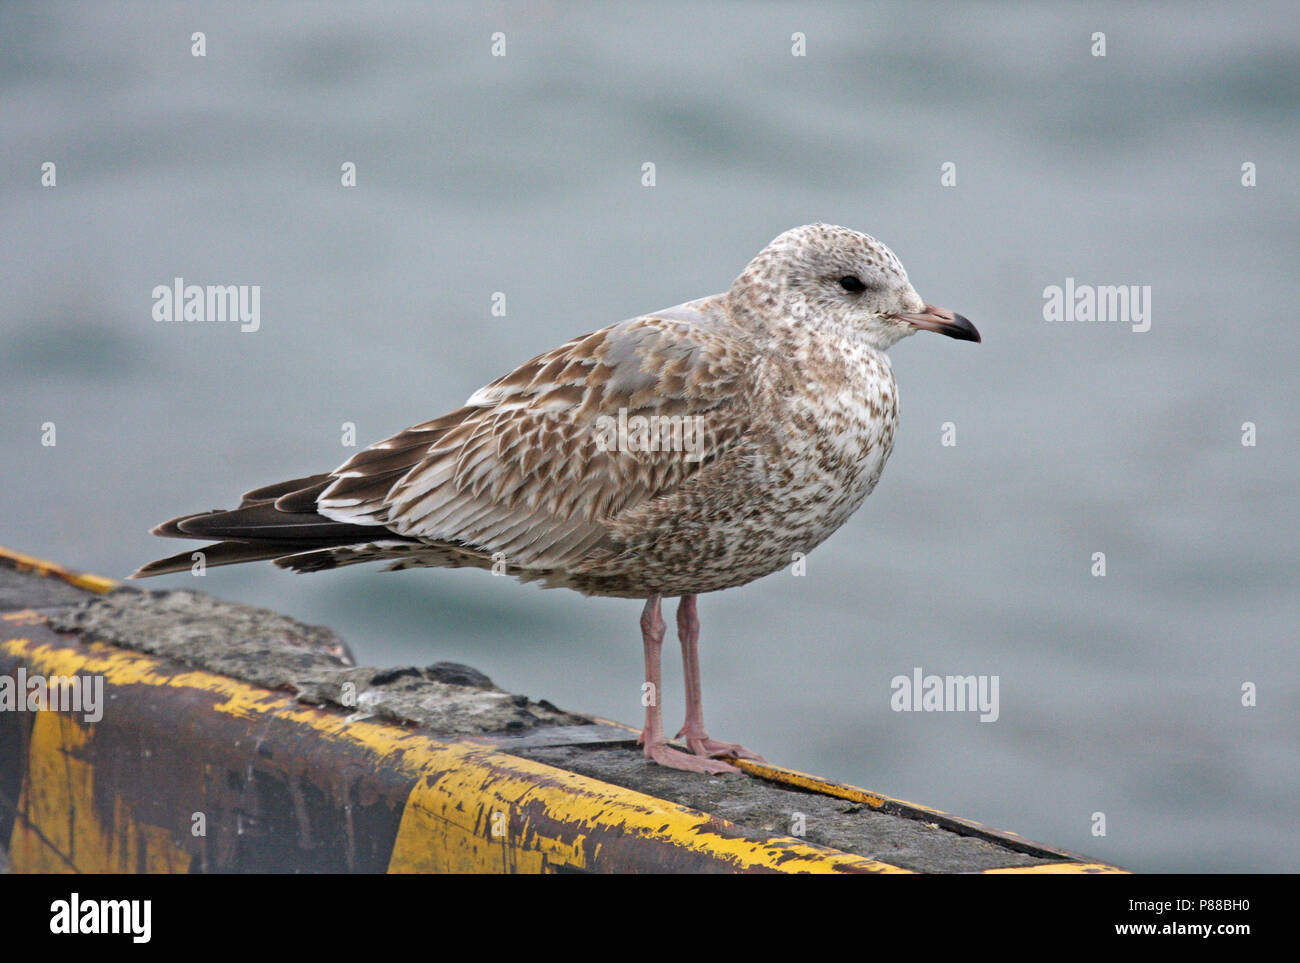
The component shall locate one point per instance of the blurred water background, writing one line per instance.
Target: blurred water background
(522, 174)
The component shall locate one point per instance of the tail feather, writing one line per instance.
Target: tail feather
(221, 553)
(264, 522)
(274, 522)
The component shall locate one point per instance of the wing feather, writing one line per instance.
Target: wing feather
(520, 468)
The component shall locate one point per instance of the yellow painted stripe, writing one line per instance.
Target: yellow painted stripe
(27, 563)
(426, 808)
(827, 787)
(24, 617)
(552, 819)
(1059, 868)
(803, 780)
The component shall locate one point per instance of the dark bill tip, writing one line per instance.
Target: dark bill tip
(942, 321)
(961, 329)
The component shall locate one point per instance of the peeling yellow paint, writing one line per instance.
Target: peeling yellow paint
(472, 808)
(60, 828)
(28, 563)
(803, 780)
(553, 818)
(527, 793)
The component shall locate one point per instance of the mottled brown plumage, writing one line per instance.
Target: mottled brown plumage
(766, 416)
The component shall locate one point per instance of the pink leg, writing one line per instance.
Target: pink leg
(652, 736)
(688, 630)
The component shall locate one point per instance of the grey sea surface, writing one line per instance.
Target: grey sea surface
(1118, 695)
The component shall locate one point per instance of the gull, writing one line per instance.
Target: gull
(680, 452)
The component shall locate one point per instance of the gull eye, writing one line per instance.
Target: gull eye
(850, 283)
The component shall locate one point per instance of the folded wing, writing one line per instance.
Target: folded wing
(535, 467)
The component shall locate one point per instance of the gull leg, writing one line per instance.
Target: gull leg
(652, 738)
(688, 631)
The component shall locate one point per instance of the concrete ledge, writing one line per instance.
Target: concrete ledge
(233, 739)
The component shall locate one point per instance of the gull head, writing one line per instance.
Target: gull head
(830, 277)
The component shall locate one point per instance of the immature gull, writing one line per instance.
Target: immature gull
(680, 452)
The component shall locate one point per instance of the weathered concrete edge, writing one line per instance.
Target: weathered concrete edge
(269, 649)
(534, 744)
(192, 771)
